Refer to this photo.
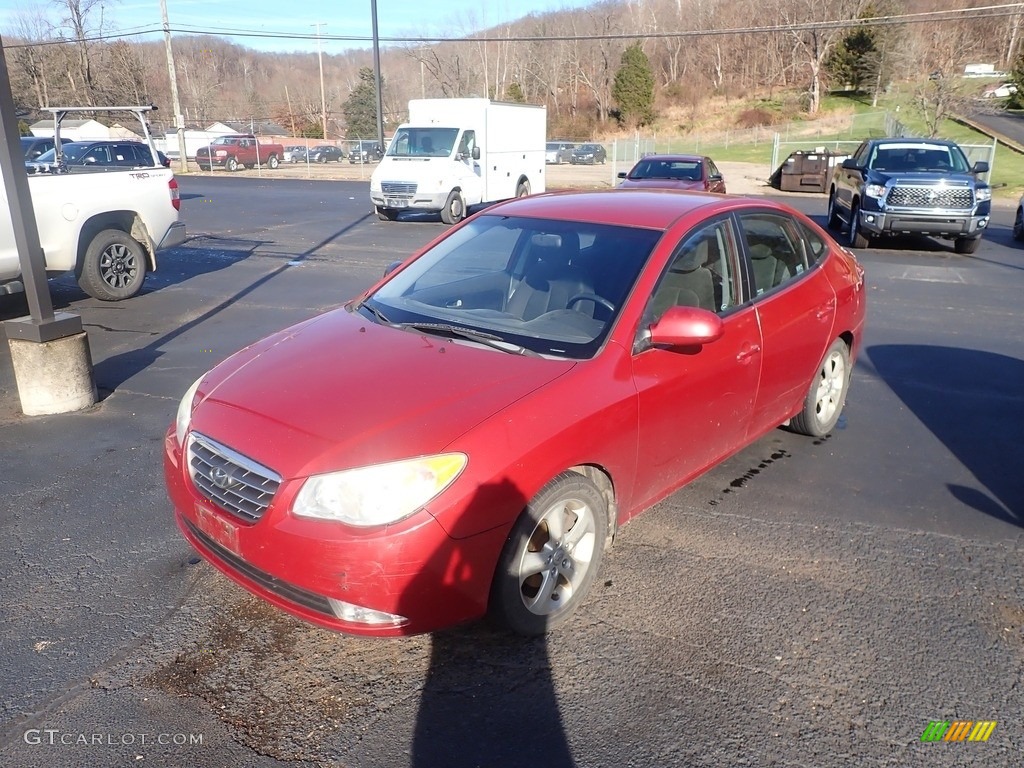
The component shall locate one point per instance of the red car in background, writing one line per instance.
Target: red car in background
(575, 358)
(675, 172)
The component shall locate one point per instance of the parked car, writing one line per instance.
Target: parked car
(897, 186)
(365, 152)
(588, 154)
(33, 146)
(558, 152)
(294, 154)
(576, 358)
(323, 153)
(675, 172)
(101, 154)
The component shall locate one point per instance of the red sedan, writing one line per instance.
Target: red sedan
(467, 436)
(675, 172)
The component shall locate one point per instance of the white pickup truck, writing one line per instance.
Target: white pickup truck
(104, 226)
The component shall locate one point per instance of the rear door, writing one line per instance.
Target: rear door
(795, 304)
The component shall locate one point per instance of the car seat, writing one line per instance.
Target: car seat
(553, 278)
(688, 283)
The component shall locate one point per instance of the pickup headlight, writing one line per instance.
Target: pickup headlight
(981, 194)
(875, 190)
(184, 416)
(378, 494)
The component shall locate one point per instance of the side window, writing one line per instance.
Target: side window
(467, 144)
(862, 153)
(777, 249)
(816, 247)
(97, 156)
(713, 169)
(702, 272)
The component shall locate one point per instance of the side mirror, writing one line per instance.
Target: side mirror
(391, 267)
(850, 164)
(686, 327)
(980, 167)
(476, 153)
(621, 174)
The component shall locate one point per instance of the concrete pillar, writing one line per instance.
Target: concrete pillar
(53, 376)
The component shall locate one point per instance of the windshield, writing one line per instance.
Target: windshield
(552, 287)
(72, 152)
(910, 157)
(423, 142)
(222, 140)
(667, 169)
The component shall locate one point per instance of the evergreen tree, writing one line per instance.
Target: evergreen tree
(633, 89)
(514, 92)
(1016, 99)
(360, 109)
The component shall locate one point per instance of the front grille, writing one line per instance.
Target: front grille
(931, 197)
(282, 589)
(398, 188)
(233, 482)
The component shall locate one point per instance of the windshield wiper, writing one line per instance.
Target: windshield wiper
(488, 339)
(373, 311)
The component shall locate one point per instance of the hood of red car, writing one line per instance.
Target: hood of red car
(661, 184)
(341, 391)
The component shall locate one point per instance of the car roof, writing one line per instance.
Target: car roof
(674, 158)
(914, 140)
(645, 208)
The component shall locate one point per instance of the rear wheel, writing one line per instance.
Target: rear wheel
(273, 162)
(523, 189)
(454, 208)
(966, 245)
(834, 222)
(114, 266)
(551, 557)
(827, 394)
(1018, 225)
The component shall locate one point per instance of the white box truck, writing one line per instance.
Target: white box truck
(456, 153)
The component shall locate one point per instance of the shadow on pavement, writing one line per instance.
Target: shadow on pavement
(973, 401)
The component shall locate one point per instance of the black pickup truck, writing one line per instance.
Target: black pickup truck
(910, 186)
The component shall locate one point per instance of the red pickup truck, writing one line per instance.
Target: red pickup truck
(238, 151)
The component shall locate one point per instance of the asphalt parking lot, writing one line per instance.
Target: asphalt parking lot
(807, 603)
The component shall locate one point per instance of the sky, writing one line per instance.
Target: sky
(341, 18)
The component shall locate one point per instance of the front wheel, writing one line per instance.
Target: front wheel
(114, 266)
(968, 245)
(387, 214)
(857, 239)
(454, 208)
(1018, 225)
(273, 162)
(232, 164)
(551, 557)
(827, 393)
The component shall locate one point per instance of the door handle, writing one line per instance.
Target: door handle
(748, 352)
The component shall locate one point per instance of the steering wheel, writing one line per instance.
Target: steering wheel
(591, 297)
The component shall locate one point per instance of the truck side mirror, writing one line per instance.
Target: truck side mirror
(476, 153)
(850, 164)
(980, 167)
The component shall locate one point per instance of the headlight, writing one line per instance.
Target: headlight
(184, 416)
(875, 190)
(981, 194)
(378, 494)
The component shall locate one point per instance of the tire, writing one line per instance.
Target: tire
(827, 394)
(542, 578)
(833, 221)
(966, 245)
(454, 208)
(232, 164)
(523, 189)
(1018, 225)
(856, 238)
(114, 266)
(321, 159)
(387, 214)
(273, 162)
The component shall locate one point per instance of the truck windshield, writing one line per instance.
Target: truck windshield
(911, 157)
(423, 142)
(222, 140)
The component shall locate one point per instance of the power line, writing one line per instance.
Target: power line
(955, 14)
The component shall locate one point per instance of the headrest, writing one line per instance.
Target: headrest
(692, 258)
(760, 251)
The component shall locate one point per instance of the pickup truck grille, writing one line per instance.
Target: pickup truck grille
(931, 197)
(234, 483)
(398, 188)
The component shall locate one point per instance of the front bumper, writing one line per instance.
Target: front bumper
(411, 569)
(416, 201)
(924, 222)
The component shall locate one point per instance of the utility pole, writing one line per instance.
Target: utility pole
(323, 97)
(179, 119)
(377, 79)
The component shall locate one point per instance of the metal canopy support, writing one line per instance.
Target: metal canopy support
(42, 324)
